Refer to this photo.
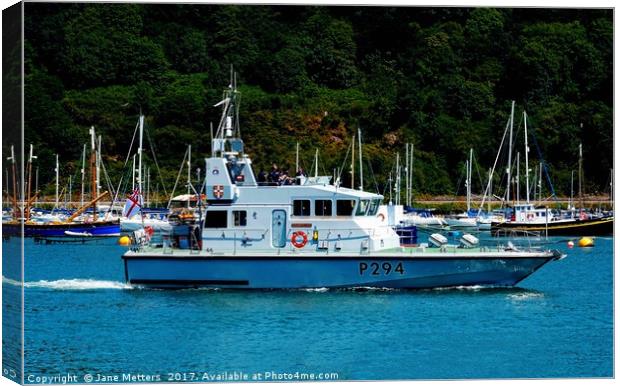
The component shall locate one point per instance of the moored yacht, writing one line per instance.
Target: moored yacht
(312, 234)
(528, 218)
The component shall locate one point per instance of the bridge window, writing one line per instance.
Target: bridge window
(345, 207)
(240, 218)
(374, 207)
(323, 207)
(216, 219)
(362, 208)
(301, 207)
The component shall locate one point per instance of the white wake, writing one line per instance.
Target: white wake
(71, 284)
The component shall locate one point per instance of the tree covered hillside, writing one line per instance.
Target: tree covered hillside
(441, 78)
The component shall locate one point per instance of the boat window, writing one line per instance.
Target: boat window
(240, 218)
(374, 207)
(344, 207)
(323, 207)
(301, 207)
(216, 219)
(362, 208)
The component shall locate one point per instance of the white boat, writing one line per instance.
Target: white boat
(138, 222)
(312, 235)
(461, 221)
(469, 218)
(423, 218)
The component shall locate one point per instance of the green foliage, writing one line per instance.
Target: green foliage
(441, 78)
(331, 51)
(103, 46)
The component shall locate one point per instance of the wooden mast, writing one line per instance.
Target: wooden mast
(82, 172)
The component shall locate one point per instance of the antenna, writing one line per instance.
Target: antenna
(316, 164)
(297, 158)
(211, 130)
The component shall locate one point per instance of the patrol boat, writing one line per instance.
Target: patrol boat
(308, 234)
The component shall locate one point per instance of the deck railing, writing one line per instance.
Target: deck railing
(330, 239)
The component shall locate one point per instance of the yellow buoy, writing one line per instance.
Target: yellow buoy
(124, 241)
(586, 242)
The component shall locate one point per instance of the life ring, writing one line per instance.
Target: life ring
(583, 216)
(149, 231)
(295, 239)
(381, 217)
(530, 216)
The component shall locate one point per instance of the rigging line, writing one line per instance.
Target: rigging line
(487, 189)
(178, 176)
(346, 157)
(148, 137)
(478, 170)
(131, 145)
(323, 167)
(372, 173)
(544, 165)
(458, 185)
(115, 197)
(62, 192)
(108, 181)
(388, 185)
(518, 132)
(122, 187)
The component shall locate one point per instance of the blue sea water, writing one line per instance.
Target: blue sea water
(80, 318)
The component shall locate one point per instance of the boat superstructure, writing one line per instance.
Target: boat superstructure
(304, 235)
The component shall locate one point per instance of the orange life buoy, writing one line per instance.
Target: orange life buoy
(583, 216)
(295, 239)
(530, 216)
(381, 217)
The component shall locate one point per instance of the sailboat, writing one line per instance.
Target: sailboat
(79, 223)
(468, 219)
(418, 217)
(528, 218)
(134, 216)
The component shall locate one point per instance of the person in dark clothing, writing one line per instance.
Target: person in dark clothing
(274, 174)
(301, 173)
(262, 177)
